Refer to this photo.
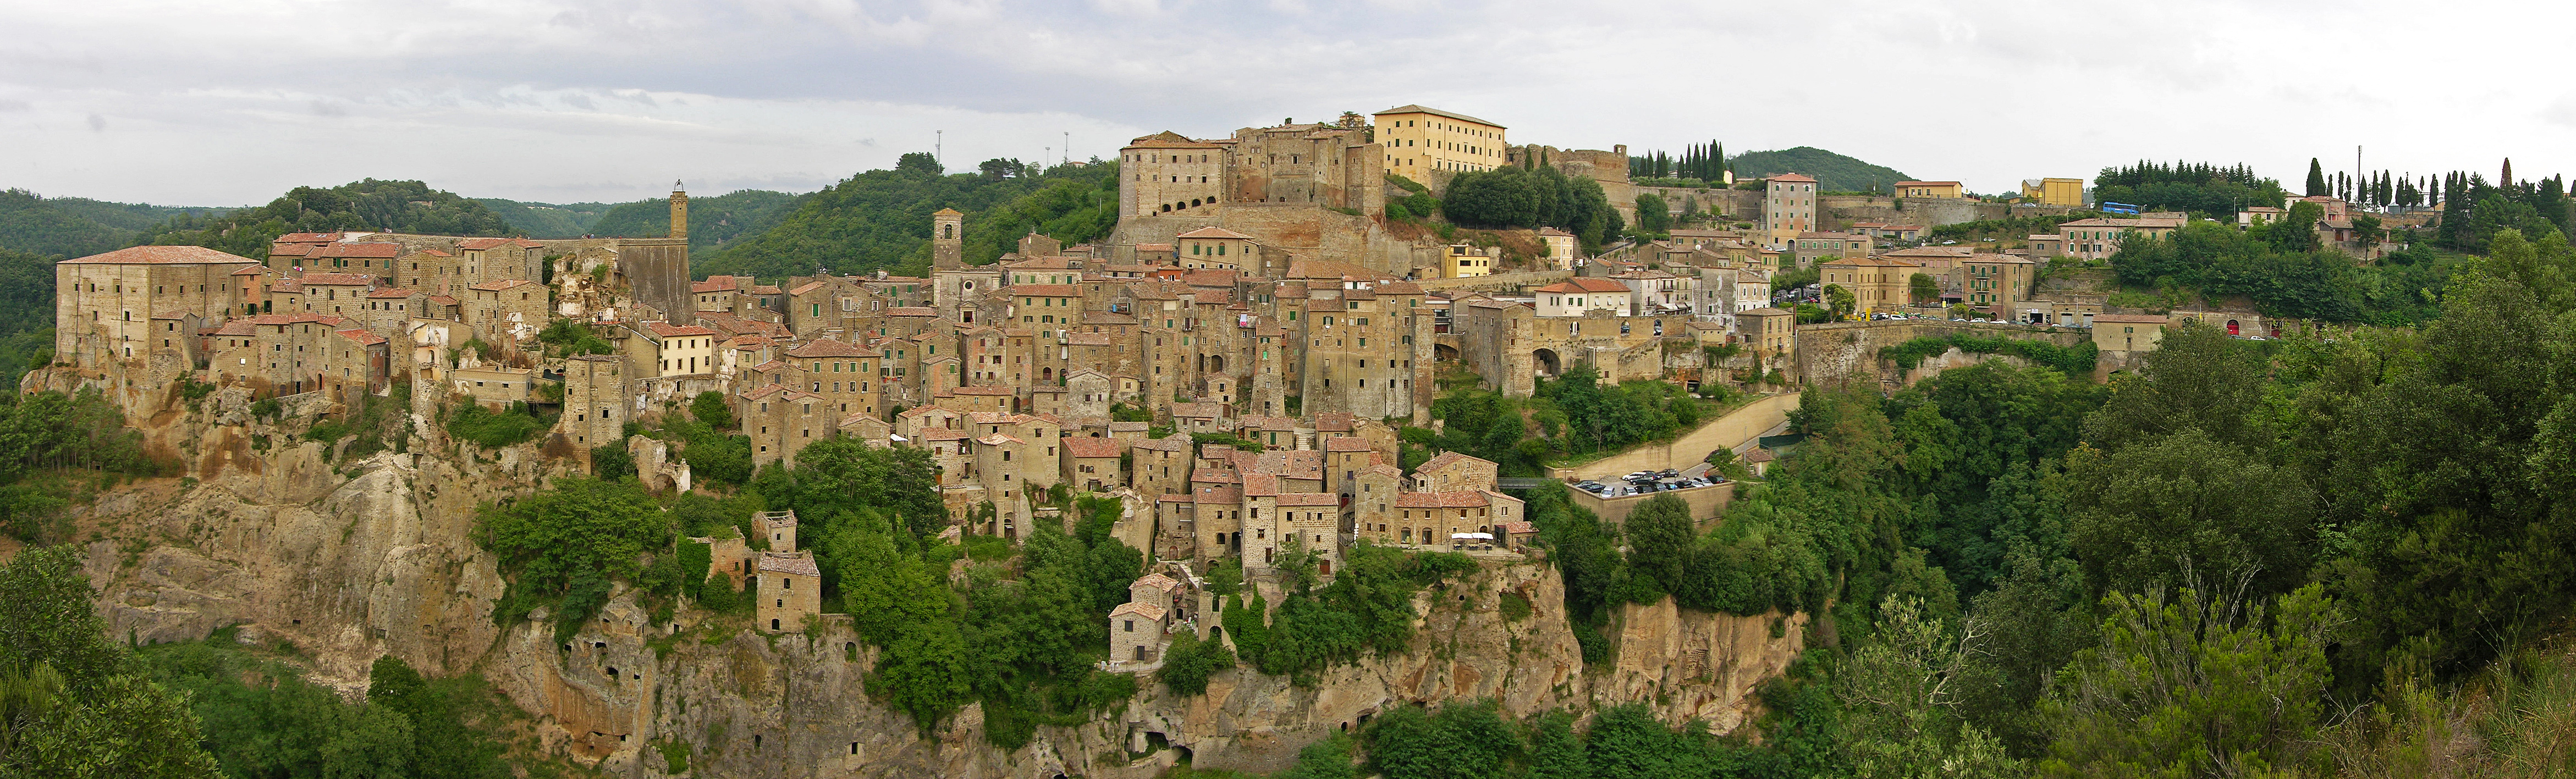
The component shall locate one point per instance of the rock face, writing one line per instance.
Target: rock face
(350, 560)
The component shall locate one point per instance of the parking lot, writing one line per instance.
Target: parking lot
(1651, 482)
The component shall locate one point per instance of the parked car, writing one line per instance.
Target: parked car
(1670, 473)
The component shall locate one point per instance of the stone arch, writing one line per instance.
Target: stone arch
(1194, 202)
(1444, 352)
(1547, 363)
(1216, 363)
(2231, 327)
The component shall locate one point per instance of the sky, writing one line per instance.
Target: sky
(574, 100)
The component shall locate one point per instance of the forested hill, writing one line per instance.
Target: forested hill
(390, 206)
(715, 223)
(76, 227)
(547, 220)
(881, 218)
(1833, 172)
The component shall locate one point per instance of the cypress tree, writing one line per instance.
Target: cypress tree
(2316, 177)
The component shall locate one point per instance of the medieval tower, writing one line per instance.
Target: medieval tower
(947, 239)
(679, 210)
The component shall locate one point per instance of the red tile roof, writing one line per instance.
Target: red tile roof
(668, 330)
(1086, 446)
(158, 255)
(365, 250)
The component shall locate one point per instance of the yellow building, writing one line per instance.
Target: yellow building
(1419, 140)
(2054, 192)
(1462, 261)
(1949, 189)
(1876, 283)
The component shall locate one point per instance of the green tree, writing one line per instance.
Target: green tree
(581, 526)
(1924, 289)
(1465, 739)
(2194, 685)
(924, 673)
(1653, 214)
(884, 590)
(1555, 752)
(1661, 537)
(68, 704)
(1901, 692)
(2317, 179)
(1326, 759)
(710, 408)
(1839, 301)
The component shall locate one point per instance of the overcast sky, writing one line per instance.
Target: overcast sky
(570, 100)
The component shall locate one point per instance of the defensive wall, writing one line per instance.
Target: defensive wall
(1849, 350)
(1499, 282)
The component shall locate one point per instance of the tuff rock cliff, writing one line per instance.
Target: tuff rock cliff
(352, 559)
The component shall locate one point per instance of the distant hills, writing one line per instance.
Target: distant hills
(880, 219)
(368, 204)
(715, 223)
(77, 227)
(1833, 172)
(547, 220)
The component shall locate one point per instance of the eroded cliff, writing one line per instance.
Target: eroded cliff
(350, 559)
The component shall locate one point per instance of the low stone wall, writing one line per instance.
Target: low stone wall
(1706, 503)
(1728, 432)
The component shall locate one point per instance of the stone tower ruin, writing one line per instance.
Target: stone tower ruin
(947, 239)
(679, 210)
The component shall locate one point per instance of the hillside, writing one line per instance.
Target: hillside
(391, 206)
(881, 219)
(73, 226)
(1833, 172)
(715, 223)
(546, 220)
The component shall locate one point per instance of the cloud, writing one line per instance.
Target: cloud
(97, 123)
(576, 98)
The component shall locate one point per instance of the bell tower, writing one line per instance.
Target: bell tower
(947, 240)
(679, 210)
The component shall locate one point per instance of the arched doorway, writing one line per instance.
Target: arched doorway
(2231, 327)
(1216, 363)
(1548, 364)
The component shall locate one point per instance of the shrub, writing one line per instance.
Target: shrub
(494, 430)
(327, 432)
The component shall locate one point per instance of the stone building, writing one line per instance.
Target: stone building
(790, 589)
(1092, 463)
(781, 421)
(104, 303)
(1136, 632)
(1168, 172)
(1452, 472)
(1788, 208)
(1420, 142)
(596, 403)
